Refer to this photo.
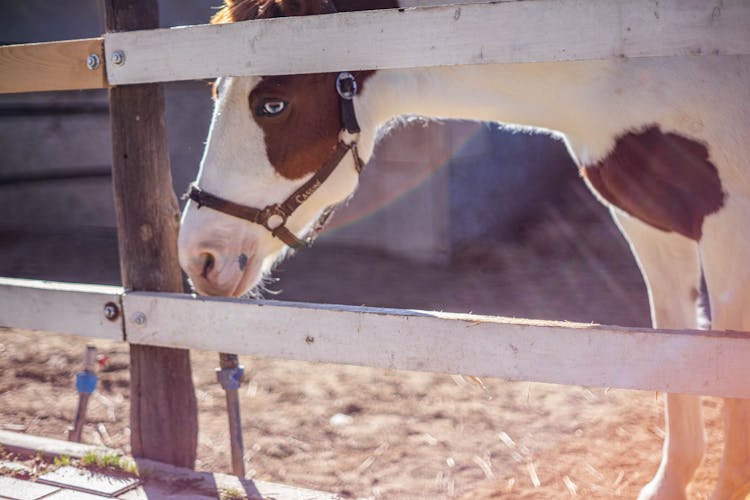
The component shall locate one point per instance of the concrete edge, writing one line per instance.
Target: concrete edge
(159, 478)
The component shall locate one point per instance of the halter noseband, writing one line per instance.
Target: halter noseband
(274, 217)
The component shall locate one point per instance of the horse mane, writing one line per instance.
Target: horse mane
(245, 10)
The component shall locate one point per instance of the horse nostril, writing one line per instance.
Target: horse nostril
(208, 264)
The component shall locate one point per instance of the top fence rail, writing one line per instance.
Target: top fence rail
(476, 33)
(507, 32)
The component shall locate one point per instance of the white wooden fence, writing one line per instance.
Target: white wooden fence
(712, 363)
(700, 362)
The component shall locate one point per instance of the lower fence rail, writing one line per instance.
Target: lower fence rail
(680, 361)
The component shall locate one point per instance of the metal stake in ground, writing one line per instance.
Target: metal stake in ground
(85, 384)
(230, 378)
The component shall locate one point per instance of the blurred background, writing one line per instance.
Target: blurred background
(452, 215)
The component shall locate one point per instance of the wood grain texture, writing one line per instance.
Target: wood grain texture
(163, 411)
(696, 362)
(506, 32)
(38, 67)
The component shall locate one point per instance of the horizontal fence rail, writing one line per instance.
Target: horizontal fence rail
(505, 32)
(426, 35)
(67, 65)
(697, 362)
(68, 308)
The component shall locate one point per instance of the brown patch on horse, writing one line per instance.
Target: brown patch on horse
(300, 139)
(665, 180)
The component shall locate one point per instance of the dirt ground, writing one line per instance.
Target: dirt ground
(364, 432)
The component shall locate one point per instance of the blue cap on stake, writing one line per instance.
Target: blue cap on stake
(86, 381)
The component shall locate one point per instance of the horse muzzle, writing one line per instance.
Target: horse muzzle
(220, 265)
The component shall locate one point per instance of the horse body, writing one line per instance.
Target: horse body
(660, 141)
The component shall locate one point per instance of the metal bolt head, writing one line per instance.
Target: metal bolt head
(118, 57)
(346, 85)
(93, 61)
(139, 318)
(111, 311)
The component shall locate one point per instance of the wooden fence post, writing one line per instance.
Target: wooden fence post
(163, 410)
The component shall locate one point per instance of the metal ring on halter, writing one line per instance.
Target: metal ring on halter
(272, 211)
(346, 85)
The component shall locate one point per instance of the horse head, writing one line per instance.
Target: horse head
(281, 150)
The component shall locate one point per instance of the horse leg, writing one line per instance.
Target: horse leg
(670, 265)
(734, 471)
(726, 253)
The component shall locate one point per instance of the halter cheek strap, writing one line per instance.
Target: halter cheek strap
(274, 217)
(346, 87)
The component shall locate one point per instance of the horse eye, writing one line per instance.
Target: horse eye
(272, 107)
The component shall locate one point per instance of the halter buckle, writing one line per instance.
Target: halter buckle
(346, 85)
(268, 214)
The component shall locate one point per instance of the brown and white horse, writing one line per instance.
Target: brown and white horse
(662, 142)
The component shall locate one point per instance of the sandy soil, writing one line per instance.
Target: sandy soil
(374, 433)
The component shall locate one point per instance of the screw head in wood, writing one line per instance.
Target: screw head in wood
(111, 311)
(139, 318)
(93, 61)
(118, 57)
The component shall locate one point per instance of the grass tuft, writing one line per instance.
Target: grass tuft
(232, 494)
(62, 461)
(109, 461)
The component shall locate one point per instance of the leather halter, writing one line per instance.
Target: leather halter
(274, 217)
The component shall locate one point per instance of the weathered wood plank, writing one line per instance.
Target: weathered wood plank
(59, 307)
(163, 408)
(506, 32)
(37, 67)
(710, 363)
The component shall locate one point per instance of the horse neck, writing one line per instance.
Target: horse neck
(548, 96)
